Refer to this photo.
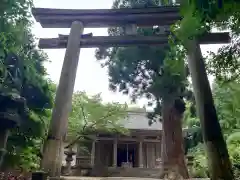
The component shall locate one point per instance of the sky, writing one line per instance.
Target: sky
(91, 77)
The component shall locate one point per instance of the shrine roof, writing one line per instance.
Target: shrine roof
(139, 120)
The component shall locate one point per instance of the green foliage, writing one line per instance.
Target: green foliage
(200, 17)
(234, 138)
(144, 71)
(234, 147)
(189, 118)
(200, 168)
(192, 124)
(226, 96)
(23, 74)
(90, 114)
(225, 64)
(25, 158)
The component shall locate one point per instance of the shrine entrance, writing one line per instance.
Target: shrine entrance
(128, 19)
(127, 155)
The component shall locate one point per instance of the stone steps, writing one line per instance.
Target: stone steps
(114, 178)
(134, 172)
(104, 178)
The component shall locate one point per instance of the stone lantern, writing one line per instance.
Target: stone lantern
(12, 109)
(158, 163)
(12, 105)
(69, 158)
(190, 160)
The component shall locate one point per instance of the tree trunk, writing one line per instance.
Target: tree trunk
(173, 157)
(218, 158)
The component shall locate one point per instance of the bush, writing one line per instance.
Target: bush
(234, 153)
(199, 168)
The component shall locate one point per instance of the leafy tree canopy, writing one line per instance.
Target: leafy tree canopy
(226, 96)
(142, 71)
(23, 74)
(225, 64)
(202, 16)
(90, 114)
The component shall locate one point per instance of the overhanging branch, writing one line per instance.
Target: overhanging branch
(109, 114)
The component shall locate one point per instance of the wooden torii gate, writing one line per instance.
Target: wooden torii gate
(77, 20)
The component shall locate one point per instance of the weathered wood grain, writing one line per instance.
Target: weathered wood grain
(114, 41)
(62, 18)
(105, 41)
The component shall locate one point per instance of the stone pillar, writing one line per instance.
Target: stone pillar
(115, 143)
(93, 153)
(220, 165)
(140, 155)
(53, 146)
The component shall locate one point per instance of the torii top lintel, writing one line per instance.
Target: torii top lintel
(95, 18)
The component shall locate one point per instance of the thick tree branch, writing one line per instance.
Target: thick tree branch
(84, 117)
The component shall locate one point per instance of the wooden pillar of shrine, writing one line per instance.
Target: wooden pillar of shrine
(140, 154)
(53, 147)
(93, 153)
(115, 144)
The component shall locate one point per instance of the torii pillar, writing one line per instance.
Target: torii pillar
(53, 147)
(213, 138)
